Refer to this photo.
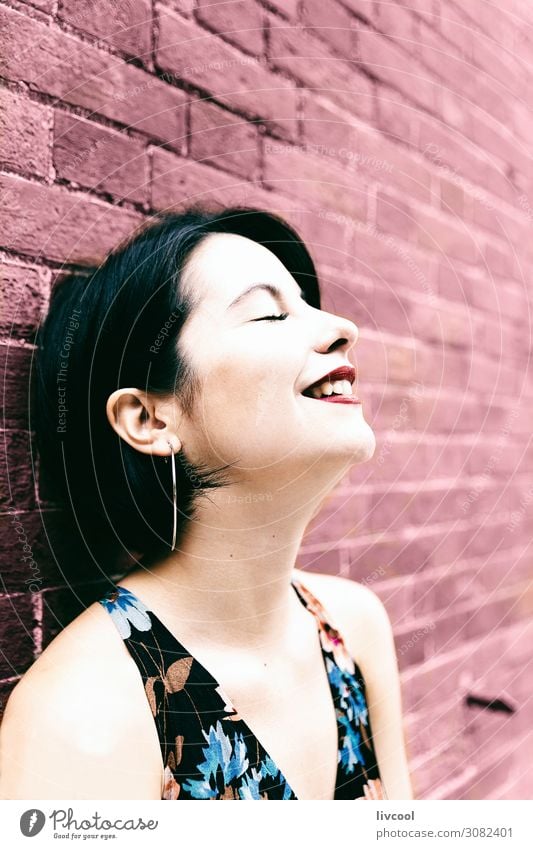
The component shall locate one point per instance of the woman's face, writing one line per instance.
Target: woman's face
(250, 410)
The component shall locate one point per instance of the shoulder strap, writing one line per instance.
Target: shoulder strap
(146, 647)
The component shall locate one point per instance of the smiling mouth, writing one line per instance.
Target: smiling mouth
(335, 388)
(334, 392)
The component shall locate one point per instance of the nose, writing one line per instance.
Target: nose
(338, 332)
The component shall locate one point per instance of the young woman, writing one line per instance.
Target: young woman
(208, 406)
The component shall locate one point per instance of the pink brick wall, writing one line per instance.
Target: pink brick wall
(396, 137)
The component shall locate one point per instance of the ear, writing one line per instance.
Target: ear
(144, 421)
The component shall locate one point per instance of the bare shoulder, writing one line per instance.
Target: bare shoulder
(340, 589)
(86, 649)
(364, 624)
(81, 701)
(355, 609)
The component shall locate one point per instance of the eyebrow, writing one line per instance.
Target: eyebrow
(268, 287)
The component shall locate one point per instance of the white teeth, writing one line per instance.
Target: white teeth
(337, 387)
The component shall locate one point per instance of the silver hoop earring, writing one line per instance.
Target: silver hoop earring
(175, 506)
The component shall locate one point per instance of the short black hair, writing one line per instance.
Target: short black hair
(118, 324)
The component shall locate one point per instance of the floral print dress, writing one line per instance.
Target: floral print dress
(208, 750)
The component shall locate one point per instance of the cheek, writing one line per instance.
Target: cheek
(248, 395)
(247, 413)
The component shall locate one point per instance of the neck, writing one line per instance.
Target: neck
(231, 576)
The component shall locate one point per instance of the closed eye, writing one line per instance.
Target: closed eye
(272, 317)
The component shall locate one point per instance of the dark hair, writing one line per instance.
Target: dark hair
(117, 325)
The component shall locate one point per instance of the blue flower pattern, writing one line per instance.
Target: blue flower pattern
(126, 610)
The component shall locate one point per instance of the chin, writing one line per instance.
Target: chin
(364, 447)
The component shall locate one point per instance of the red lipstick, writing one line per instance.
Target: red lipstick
(339, 399)
(341, 373)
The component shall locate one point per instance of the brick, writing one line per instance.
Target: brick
(48, 221)
(446, 237)
(500, 261)
(62, 605)
(395, 115)
(410, 641)
(394, 215)
(16, 470)
(331, 23)
(492, 96)
(287, 8)
(307, 59)
(365, 9)
(320, 181)
(497, 219)
(456, 28)
(513, 300)
(389, 557)
(219, 138)
(521, 121)
(46, 6)
(381, 57)
(389, 312)
(383, 259)
(431, 729)
(508, 71)
(6, 688)
(436, 411)
(338, 519)
(183, 7)
(427, 775)
(380, 359)
(320, 561)
(63, 67)
(176, 181)
(57, 554)
(23, 292)
(444, 60)
(327, 132)
(400, 24)
(392, 165)
(452, 197)
(444, 326)
(237, 80)
(328, 242)
(396, 596)
(465, 159)
(409, 505)
(443, 590)
(495, 138)
(428, 11)
(24, 134)
(16, 635)
(439, 368)
(495, 613)
(238, 21)
(99, 158)
(15, 363)
(457, 284)
(125, 25)
(446, 149)
(496, 765)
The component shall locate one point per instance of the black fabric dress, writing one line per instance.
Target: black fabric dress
(208, 750)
